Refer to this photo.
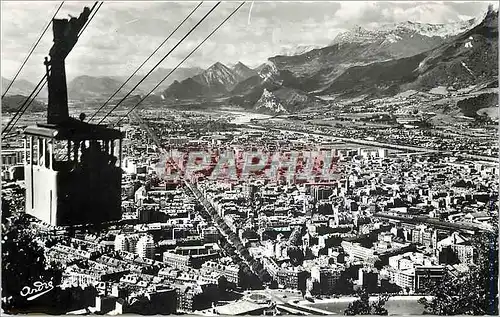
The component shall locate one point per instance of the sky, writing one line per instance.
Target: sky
(123, 34)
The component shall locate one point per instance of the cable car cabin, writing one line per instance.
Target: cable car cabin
(73, 173)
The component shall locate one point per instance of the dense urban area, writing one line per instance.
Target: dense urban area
(401, 213)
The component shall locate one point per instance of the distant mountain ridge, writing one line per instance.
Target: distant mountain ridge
(394, 31)
(20, 86)
(291, 50)
(381, 64)
(360, 62)
(470, 58)
(92, 87)
(242, 71)
(187, 89)
(11, 103)
(218, 77)
(217, 80)
(158, 74)
(316, 70)
(102, 87)
(264, 90)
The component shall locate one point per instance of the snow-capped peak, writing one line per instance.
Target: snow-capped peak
(393, 32)
(291, 50)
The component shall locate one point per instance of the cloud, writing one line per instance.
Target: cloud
(390, 12)
(123, 34)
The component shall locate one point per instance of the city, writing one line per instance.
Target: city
(367, 206)
(206, 241)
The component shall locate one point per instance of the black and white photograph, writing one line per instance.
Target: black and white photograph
(256, 158)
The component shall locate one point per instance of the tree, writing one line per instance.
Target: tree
(250, 234)
(378, 307)
(295, 254)
(448, 256)
(474, 292)
(23, 263)
(296, 237)
(362, 305)
(6, 209)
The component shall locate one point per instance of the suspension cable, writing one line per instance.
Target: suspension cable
(42, 82)
(29, 103)
(32, 49)
(157, 64)
(20, 111)
(93, 13)
(185, 58)
(145, 61)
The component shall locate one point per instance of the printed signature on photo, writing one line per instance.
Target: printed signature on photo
(36, 290)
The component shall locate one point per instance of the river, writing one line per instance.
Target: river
(240, 117)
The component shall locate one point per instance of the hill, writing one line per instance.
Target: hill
(11, 103)
(187, 89)
(157, 75)
(91, 87)
(20, 87)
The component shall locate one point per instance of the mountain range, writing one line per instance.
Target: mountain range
(291, 50)
(11, 103)
(95, 87)
(99, 87)
(421, 33)
(18, 93)
(217, 80)
(20, 87)
(360, 62)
